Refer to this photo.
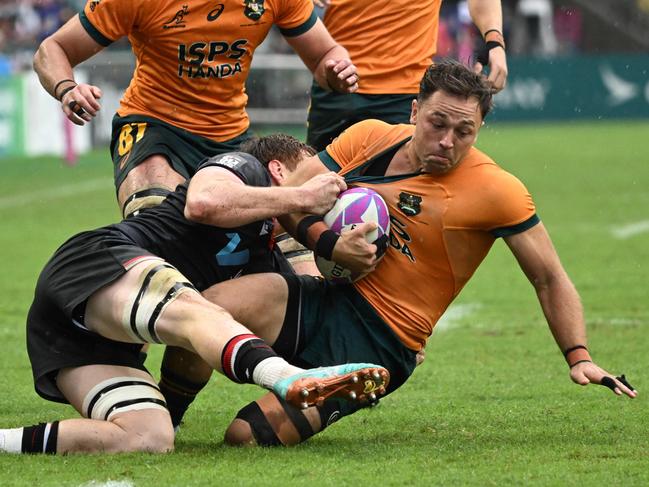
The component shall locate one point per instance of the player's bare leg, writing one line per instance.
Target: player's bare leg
(137, 308)
(270, 422)
(147, 184)
(122, 409)
(148, 429)
(183, 375)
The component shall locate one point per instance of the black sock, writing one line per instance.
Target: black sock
(329, 413)
(40, 438)
(179, 393)
(241, 355)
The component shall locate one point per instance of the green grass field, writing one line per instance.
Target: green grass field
(491, 405)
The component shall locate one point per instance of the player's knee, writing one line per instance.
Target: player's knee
(153, 439)
(239, 433)
(270, 422)
(141, 200)
(137, 408)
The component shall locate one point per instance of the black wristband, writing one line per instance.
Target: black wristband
(484, 36)
(491, 44)
(579, 362)
(482, 54)
(381, 245)
(56, 87)
(326, 243)
(65, 90)
(303, 227)
(572, 349)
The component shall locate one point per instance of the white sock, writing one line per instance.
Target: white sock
(11, 440)
(272, 369)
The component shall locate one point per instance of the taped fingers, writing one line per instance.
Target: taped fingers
(76, 108)
(611, 384)
(622, 379)
(608, 382)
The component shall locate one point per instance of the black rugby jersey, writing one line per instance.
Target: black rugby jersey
(206, 254)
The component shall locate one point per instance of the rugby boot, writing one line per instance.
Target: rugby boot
(362, 383)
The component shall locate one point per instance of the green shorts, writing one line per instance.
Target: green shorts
(136, 137)
(331, 112)
(335, 325)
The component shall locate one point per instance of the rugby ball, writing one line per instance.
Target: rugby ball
(354, 206)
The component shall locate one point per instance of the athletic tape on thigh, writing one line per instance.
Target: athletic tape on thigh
(293, 250)
(147, 198)
(160, 283)
(121, 394)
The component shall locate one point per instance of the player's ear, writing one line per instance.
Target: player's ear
(413, 112)
(276, 171)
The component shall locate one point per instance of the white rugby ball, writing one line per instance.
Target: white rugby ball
(354, 206)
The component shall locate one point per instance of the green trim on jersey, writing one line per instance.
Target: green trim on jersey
(301, 29)
(149, 136)
(93, 32)
(356, 175)
(328, 161)
(518, 228)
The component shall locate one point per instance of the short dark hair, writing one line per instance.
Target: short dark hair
(284, 148)
(456, 79)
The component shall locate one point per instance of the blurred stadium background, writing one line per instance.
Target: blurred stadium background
(568, 60)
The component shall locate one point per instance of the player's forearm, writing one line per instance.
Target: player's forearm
(52, 65)
(486, 15)
(563, 311)
(233, 205)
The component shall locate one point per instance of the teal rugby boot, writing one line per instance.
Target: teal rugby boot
(354, 382)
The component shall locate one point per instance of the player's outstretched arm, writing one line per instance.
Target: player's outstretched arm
(488, 18)
(53, 62)
(326, 59)
(218, 197)
(562, 307)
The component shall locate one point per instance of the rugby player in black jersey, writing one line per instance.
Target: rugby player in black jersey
(106, 292)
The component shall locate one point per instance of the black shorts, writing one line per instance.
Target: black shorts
(331, 113)
(137, 137)
(80, 267)
(328, 324)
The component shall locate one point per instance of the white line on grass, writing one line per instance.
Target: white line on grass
(44, 196)
(454, 315)
(618, 321)
(623, 232)
(109, 483)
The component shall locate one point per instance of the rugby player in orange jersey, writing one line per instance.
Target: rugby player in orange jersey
(186, 100)
(392, 42)
(448, 204)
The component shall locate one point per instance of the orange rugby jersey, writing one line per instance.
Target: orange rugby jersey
(442, 227)
(193, 56)
(391, 42)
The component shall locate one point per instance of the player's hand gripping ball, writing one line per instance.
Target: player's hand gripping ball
(354, 206)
